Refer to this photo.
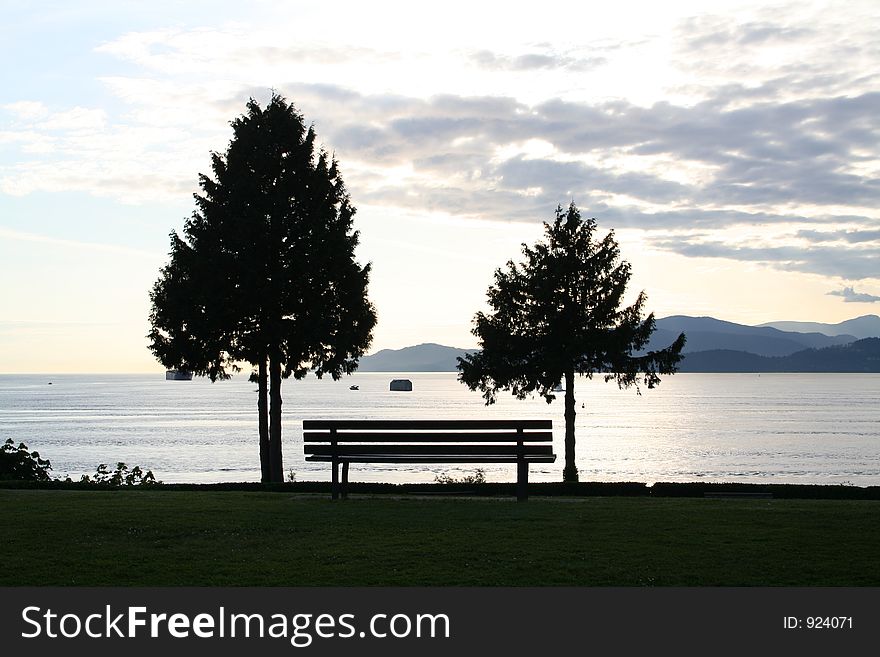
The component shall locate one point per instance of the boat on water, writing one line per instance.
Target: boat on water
(178, 375)
(353, 387)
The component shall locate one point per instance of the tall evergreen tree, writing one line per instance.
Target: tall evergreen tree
(558, 314)
(265, 272)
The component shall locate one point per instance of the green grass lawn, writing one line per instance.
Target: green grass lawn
(159, 538)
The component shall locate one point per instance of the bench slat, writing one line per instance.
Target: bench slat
(407, 436)
(426, 425)
(445, 458)
(429, 450)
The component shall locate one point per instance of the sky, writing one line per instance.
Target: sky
(732, 147)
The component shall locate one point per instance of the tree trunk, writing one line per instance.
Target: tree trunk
(570, 472)
(263, 411)
(277, 469)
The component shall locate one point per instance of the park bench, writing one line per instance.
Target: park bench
(342, 442)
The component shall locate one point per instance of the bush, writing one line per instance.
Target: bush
(17, 463)
(121, 476)
(479, 477)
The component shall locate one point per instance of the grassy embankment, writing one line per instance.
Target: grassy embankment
(56, 537)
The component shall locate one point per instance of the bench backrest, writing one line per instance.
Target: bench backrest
(428, 437)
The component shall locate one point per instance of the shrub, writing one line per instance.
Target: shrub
(121, 476)
(479, 477)
(19, 464)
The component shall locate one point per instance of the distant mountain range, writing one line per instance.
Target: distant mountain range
(708, 333)
(428, 357)
(712, 345)
(859, 356)
(866, 326)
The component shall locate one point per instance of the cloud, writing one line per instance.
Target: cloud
(851, 296)
(666, 167)
(535, 61)
(713, 32)
(241, 49)
(850, 236)
(735, 165)
(77, 118)
(802, 152)
(781, 53)
(568, 178)
(82, 149)
(773, 122)
(852, 263)
(807, 153)
(27, 109)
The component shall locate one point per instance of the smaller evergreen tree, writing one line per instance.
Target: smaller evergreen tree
(558, 314)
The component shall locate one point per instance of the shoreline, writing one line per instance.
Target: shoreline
(728, 490)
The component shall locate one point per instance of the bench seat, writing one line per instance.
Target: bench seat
(341, 442)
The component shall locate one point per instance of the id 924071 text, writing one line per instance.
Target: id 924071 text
(818, 623)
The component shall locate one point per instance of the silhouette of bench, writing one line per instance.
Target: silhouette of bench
(342, 442)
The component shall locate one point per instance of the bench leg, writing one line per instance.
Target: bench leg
(345, 480)
(522, 481)
(334, 480)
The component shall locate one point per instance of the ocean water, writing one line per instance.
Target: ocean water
(780, 428)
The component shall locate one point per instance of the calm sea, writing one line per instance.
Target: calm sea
(790, 428)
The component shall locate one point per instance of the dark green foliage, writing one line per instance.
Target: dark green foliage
(17, 463)
(558, 314)
(265, 271)
(121, 476)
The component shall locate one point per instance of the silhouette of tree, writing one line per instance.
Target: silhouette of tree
(17, 463)
(265, 271)
(558, 314)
